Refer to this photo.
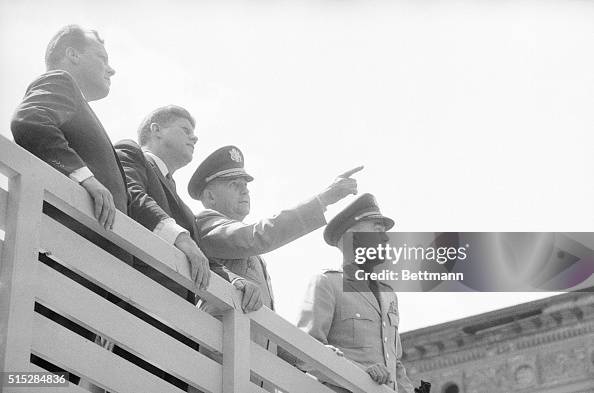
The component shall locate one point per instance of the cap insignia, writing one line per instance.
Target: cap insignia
(235, 155)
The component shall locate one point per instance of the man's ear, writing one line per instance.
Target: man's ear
(72, 55)
(207, 198)
(155, 130)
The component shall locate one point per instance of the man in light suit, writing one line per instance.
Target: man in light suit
(358, 319)
(55, 122)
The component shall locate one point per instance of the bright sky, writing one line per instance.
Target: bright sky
(468, 115)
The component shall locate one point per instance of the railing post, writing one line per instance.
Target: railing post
(236, 352)
(17, 270)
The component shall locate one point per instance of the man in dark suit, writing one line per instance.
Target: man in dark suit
(166, 143)
(166, 139)
(56, 123)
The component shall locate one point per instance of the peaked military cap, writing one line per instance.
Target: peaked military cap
(361, 209)
(226, 162)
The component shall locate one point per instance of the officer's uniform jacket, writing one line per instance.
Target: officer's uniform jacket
(365, 331)
(238, 245)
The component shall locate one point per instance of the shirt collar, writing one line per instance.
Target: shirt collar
(160, 164)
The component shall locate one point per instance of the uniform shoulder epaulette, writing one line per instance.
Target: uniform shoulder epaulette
(325, 271)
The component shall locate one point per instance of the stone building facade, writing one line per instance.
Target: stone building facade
(545, 346)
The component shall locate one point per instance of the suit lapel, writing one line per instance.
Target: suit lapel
(183, 208)
(100, 125)
(162, 178)
(363, 291)
(97, 120)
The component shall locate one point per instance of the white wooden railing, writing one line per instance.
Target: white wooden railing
(24, 281)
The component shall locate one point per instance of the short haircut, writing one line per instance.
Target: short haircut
(210, 186)
(163, 116)
(71, 36)
(216, 182)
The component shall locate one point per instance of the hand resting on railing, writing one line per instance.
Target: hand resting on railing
(103, 204)
(336, 350)
(199, 268)
(252, 297)
(379, 373)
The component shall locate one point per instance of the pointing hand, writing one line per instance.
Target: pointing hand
(342, 186)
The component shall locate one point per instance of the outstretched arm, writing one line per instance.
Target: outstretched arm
(224, 238)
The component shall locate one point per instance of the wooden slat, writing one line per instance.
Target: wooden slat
(236, 350)
(282, 374)
(74, 200)
(19, 257)
(77, 205)
(71, 388)
(72, 352)
(128, 234)
(3, 205)
(110, 273)
(13, 158)
(137, 240)
(313, 353)
(91, 310)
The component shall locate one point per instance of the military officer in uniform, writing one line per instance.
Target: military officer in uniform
(357, 319)
(221, 184)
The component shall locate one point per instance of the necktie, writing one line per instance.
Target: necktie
(170, 181)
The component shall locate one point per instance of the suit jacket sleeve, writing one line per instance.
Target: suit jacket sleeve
(49, 102)
(142, 207)
(224, 238)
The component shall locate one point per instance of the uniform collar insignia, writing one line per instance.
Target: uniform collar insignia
(393, 307)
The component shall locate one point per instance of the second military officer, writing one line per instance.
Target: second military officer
(358, 319)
